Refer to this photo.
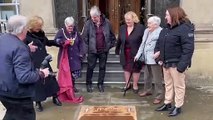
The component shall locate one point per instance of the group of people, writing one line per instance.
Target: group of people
(163, 53)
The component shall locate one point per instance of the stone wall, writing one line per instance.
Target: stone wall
(200, 12)
(43, 8)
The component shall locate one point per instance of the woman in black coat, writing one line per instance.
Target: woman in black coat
(37, 41)
(174, 49)
(129, 40)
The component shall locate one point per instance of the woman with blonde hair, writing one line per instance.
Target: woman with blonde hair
(37, 41)
(128, 43)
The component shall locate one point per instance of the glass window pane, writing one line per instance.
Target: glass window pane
(7, 11)
(8, 8)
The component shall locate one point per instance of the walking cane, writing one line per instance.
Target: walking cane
(129, 78)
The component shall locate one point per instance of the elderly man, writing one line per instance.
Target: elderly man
(18, 76)
(152, 70)
(99, 38)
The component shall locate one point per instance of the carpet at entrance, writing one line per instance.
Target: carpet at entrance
(107, 113)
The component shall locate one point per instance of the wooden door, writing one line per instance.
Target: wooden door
(114, 14)
(115, 10)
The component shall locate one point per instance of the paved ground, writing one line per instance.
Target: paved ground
(198, 104)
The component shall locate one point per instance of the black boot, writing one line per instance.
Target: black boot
(164, 107)
(89, 88)
(39, 107)
(56, 101)
(74, 88)
(100, 88)
(176, 111)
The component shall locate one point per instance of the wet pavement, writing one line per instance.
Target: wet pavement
(198, 104)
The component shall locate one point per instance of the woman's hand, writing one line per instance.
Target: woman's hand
(156, 55)
(136, 58)
(32, 47)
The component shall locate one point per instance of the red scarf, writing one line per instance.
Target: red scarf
(66, 93)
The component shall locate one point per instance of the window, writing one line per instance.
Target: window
(7, 9)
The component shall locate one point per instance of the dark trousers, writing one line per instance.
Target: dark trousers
(19, 110)
(92, 60)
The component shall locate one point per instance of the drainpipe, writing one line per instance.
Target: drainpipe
(84, 9)
(149, 4)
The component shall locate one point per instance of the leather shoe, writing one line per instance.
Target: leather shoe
(176, 111)
(39, 107)
(157, 101)
(89, 88)
(164, 107)
(101, 88)
(56, 101)
(143, 94)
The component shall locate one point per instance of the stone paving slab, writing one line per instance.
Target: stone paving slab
(198, 105)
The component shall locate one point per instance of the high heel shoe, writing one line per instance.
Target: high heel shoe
(135, 91)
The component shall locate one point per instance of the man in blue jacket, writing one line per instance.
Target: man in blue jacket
(17, 73)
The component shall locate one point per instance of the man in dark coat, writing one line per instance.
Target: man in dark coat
(99, 38)
(18, 76)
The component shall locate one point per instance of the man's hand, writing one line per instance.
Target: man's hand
(45, 71)
(33, 48)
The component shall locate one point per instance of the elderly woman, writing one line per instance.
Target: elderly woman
(71, 46)
(175, 47)
(128, 43)
(146, 53)
(37, 41)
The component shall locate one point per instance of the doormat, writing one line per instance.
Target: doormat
(107, 113)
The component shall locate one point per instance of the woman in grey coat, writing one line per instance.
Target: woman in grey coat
(146, 53)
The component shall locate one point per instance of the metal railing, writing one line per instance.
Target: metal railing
(3, 26)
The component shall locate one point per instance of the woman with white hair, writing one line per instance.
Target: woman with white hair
(146, 54)
(70, 56)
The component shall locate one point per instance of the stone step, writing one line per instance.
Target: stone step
(110, 77)
(110, 66)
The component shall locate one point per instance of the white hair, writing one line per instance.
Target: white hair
(94, 11)
(69, 21)
(16, 24)
(155, 19)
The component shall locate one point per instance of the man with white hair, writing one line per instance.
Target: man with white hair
(152, 70)
(18, 76)
(99, 38)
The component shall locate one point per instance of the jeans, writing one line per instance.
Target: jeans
(19, 110)
(92, 60)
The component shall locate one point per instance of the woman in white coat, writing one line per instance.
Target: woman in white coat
(152, 70)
